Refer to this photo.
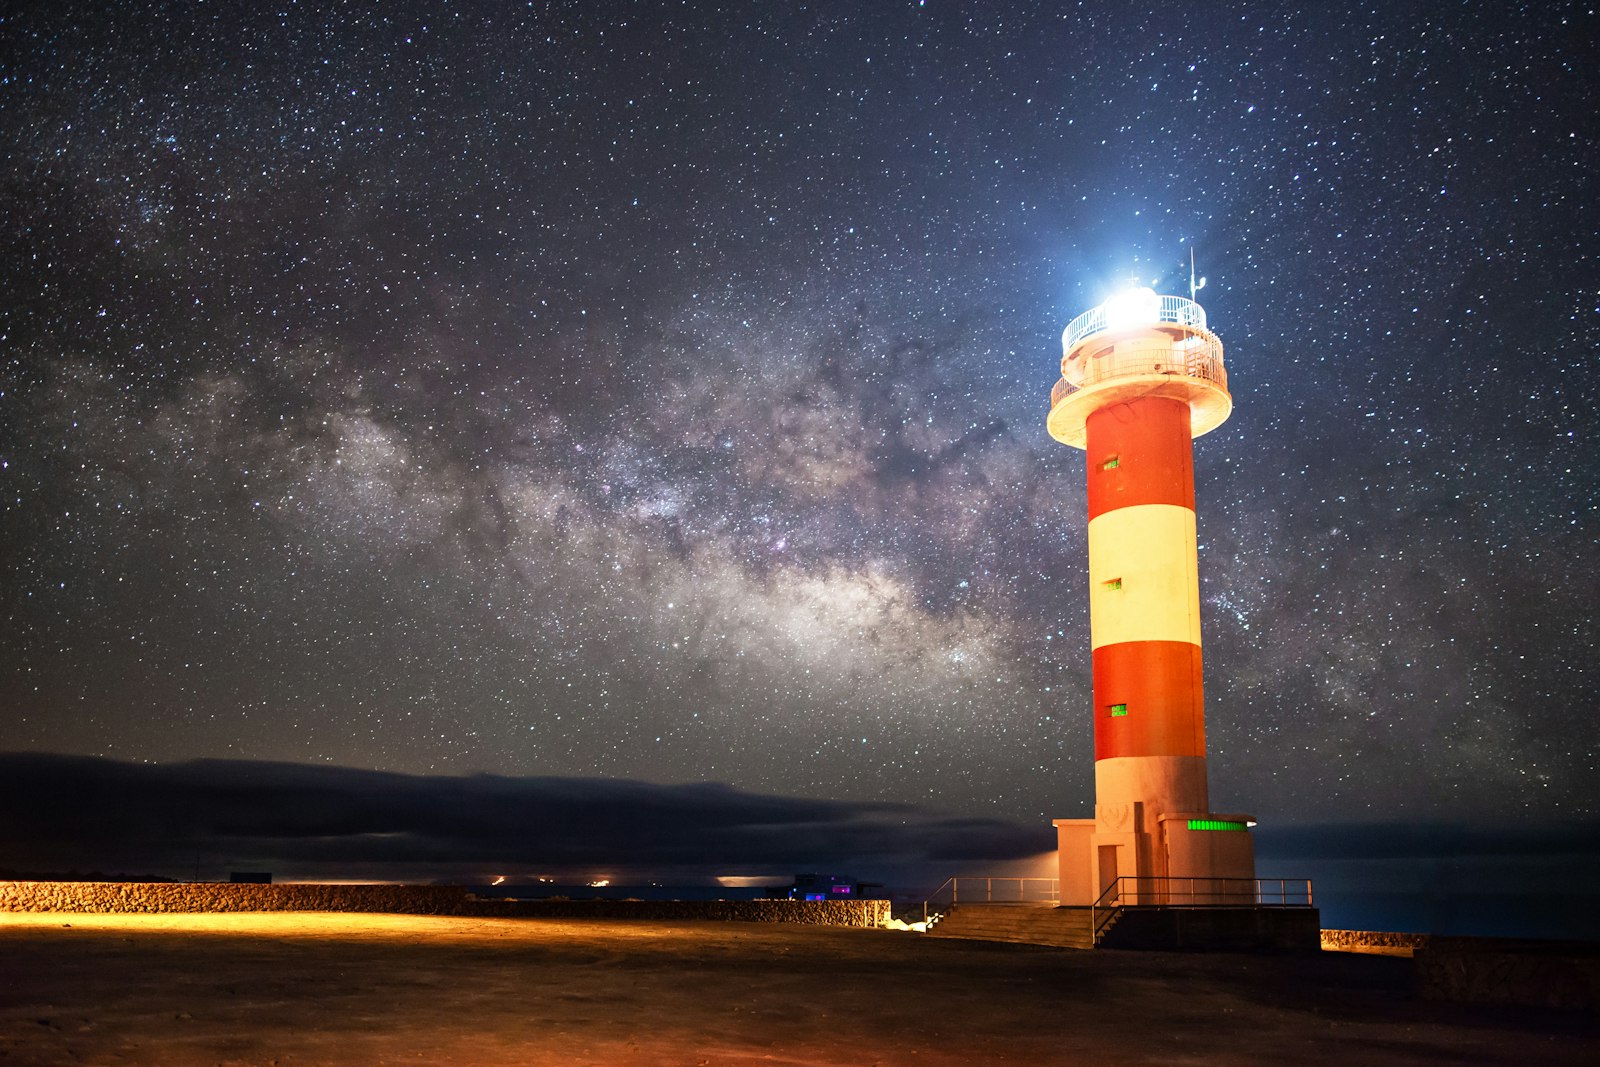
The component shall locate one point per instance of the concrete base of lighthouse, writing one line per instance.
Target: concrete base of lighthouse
(1154, 839)
(1174, 858)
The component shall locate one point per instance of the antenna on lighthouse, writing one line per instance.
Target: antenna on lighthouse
(1193, 286)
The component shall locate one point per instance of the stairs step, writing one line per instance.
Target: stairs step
(1031, 924)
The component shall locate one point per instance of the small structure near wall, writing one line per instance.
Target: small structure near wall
(832, 887)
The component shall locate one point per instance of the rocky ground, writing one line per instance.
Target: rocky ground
(318, 988)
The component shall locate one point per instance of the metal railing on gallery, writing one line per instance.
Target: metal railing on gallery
(1170, 309)
(1148, 891)
(1198, 358)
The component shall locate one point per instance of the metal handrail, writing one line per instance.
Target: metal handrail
(1134, 890)
(1050, 890)
(1096, 924)
(1178, 309)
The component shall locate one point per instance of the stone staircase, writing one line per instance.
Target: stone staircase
(1026, 924)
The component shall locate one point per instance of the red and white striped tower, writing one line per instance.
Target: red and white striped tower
(1141, 377)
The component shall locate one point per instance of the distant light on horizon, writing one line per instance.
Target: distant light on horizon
(747, 881)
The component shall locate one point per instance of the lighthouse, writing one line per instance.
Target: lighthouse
(1141, 377)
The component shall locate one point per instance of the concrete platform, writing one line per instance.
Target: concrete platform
(1224, 929)
(1228, 929)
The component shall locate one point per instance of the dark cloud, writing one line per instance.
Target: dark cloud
(85, 813)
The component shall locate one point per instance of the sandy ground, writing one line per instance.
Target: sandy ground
(381, 989)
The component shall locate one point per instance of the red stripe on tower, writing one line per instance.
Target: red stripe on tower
(1140, 453)
(1148, 700)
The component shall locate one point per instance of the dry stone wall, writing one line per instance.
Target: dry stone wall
(871, 913)
(1488, 970)
(166, 897)
(1372, 940)
(1546, 974)
(160, 897)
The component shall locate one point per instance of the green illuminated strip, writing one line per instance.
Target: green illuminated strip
(1216, 824)
(1118, 710)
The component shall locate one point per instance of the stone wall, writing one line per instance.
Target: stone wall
(154, 897)
(1472, 970)
(1382, 942)
(872, 913)
(1487, 970)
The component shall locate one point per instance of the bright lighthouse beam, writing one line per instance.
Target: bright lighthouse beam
(1132, 308)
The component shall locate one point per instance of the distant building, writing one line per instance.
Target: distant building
(834, 887)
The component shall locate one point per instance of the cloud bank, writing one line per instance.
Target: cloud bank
(83, 813)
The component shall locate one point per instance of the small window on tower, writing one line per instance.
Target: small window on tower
(1115, 583)
(1110, 463)
(1119, 710)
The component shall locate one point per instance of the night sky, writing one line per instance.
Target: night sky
(657, 392)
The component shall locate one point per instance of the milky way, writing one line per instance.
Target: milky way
(658, 391)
